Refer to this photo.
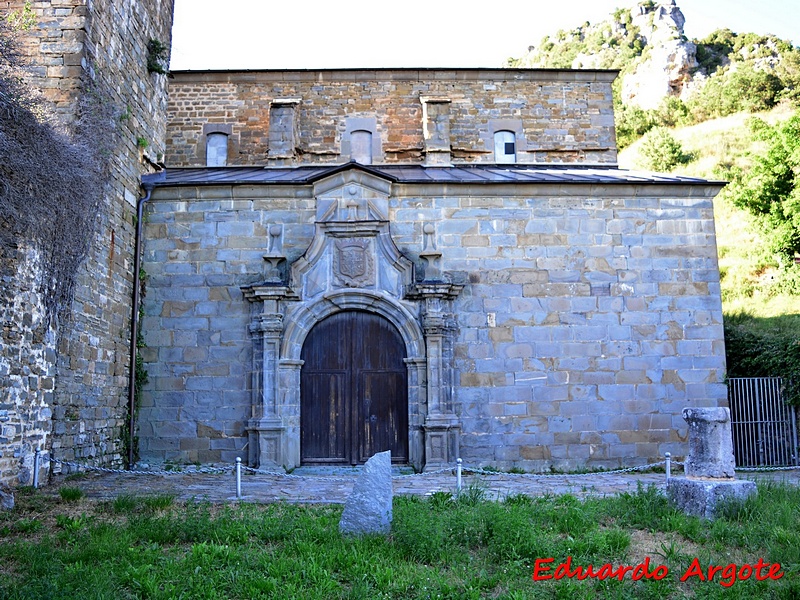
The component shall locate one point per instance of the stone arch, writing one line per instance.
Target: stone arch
(301, 320)
(299, 323)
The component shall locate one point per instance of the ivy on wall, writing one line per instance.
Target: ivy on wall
(51, 182)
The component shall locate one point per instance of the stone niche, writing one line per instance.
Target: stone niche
(352, 263)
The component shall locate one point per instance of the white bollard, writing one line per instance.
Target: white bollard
(238, 478)
(458, 474)
(668, 466)
(36, 458)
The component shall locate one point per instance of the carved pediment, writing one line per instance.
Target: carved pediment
(352, 195)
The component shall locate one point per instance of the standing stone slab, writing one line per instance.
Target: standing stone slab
(368, 509)
(710, 443)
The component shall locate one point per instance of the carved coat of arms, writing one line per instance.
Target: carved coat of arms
(353, 265)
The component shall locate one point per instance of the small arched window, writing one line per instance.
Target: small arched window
(216, 149)
(505, 147)
(361, 147)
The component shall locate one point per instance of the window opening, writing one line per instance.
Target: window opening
(361, 147)
(216, 150)
(505, 147)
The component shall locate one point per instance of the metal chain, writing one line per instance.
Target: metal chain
(188, 471)
(545, 475)
(450, 470)
(290, 476)
(758, 469)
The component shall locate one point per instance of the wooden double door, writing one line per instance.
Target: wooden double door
(353, 391)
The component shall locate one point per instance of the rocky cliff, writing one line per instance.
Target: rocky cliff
(646, 42)
(667, 68)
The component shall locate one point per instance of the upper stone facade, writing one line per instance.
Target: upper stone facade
(427, 116)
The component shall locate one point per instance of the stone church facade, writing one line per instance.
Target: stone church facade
(443, 263)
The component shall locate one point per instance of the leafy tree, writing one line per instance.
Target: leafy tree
(632, 123)
(770, 189)
(744, 88)
(764, 347)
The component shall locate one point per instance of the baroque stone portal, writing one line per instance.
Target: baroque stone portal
(353, 264)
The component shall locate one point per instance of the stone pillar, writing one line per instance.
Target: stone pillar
(709, 467)
(283, 134)
(417, 394)
(442, 427)
(710, 443)
(266, 428)
(289, 408)
(436, 130)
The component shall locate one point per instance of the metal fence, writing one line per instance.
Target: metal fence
(763, 426)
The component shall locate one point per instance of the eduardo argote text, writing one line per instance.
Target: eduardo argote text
(725, 575)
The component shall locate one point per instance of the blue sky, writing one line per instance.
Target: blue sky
(280, 34)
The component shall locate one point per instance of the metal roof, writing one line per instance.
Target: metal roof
(464, 174)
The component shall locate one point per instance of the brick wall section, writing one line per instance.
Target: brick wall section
(606, 298)
(105, 42)
(566, 116)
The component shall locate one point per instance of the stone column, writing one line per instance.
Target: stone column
(436, 130)
(710, 443)
(709, 467)
(266, 428)
(289, 407)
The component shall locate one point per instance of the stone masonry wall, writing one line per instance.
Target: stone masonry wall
(592, 315)
(201, 246)
(27, 367)
(92, 381)
(562, 116)
(101, 47)
(608, 320)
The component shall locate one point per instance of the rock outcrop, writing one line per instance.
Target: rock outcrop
(670, 61)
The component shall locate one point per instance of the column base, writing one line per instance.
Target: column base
(442, 442)
(265, 437)
(702, 497)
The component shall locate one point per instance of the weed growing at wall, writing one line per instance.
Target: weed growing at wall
(157, 57)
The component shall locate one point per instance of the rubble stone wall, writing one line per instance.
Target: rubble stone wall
(99, 48)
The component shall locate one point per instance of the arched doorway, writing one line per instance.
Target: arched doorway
(353, 390)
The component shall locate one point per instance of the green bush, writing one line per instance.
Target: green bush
(70, 494)
(632, 123)
(764, 347)
(770, 188)
(660, 151)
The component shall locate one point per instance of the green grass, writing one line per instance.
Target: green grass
(70, 494)
(444, 547)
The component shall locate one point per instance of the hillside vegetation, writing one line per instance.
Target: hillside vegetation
(724, 107)
(760, 291)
